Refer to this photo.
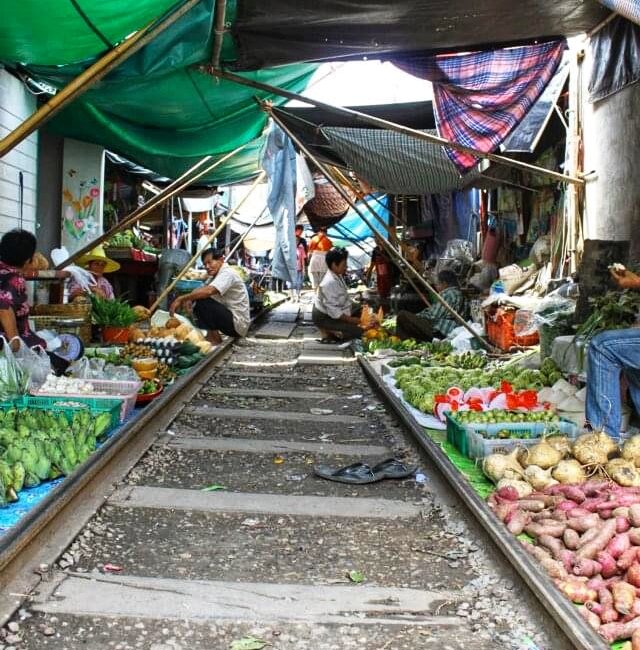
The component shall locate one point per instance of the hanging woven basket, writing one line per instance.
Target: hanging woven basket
(328, 206)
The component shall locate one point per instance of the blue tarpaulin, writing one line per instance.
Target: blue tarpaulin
(357, 229)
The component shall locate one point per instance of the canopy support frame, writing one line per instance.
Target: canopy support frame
(406, 269)
(223, 223)
(171, 190)
(393, 126)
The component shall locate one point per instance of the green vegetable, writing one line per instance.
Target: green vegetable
(111, 313)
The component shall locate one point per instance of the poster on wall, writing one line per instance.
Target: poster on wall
(82, 194)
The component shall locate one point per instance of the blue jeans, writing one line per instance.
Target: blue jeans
(611, 354)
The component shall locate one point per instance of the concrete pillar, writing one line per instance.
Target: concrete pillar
(612, 150)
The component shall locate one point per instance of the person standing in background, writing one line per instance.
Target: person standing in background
(301, 259)
(318, 247)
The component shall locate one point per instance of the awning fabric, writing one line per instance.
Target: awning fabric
(157, 108)
(273, 33)
(630, 9)
(354, 226)
(615, 52)
(480, 97)
(396, 163)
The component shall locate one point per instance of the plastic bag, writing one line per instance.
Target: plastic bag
(82, 277)
(14, 380)
(555, 307)
(35, 362)
(120, 373)
(525, 323)
(461, 338)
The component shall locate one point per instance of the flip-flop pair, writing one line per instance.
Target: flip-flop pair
(361, 473)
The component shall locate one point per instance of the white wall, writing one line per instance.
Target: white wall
(16, 104)
(612, 151)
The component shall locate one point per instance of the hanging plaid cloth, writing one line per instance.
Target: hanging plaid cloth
(479, 98)
(630, 9)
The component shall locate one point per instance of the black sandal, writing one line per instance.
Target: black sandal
(356, 474)
(393, 468)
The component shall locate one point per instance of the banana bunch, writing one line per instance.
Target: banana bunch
(465, 361)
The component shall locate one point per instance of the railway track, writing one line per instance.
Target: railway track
(204, 525)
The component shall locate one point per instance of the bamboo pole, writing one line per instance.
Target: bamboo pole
(211, 238)
(218, 32)
(393, 126)
(171, 190)
(407, 269)
(91, 75)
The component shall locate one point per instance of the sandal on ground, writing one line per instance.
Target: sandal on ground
(356, 474)
(326, 341)
(393, 468)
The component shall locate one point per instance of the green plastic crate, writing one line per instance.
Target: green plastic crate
(457, 435)
(468, 438)
(95, 405)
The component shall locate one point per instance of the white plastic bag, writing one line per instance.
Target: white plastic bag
(14, 380)
(33, 361)
(80, 275)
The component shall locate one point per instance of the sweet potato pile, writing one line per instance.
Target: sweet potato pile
(587, 539)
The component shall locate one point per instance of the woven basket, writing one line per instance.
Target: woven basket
(328, 206)
(72, 318)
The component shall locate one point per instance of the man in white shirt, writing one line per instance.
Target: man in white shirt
(334, 314)
(222, 305)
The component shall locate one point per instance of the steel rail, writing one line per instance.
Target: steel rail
(53, 524)
(565, 615)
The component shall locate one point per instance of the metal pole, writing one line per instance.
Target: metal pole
(171, 190)
(91, 75)
(392, 126)
(211, 238)
(408, 269)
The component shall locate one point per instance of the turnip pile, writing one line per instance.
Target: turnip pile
(587, 539)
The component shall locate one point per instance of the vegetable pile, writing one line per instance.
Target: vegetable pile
(111, 313)
(613, 311)
(587, 538)
(37, 445)
(480, 404)
(421, 385)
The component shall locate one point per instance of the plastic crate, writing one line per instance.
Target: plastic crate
(468, 438)
(62, 404)
(127, 391)
(499, 326)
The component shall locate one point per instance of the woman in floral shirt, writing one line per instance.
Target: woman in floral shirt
(17, 248)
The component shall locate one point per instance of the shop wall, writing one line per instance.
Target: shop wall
(612, 150)
(16, 104)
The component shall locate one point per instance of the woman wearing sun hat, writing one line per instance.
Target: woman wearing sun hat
(97, 263)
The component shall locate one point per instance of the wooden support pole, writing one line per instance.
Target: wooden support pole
(407, 269)
(210, 239)
(171, 190)
(393, 126)
(112, 59)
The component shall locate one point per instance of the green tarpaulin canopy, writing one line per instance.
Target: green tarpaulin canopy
(157, 108)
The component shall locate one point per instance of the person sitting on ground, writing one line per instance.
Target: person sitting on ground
(334, 314)
(97, 263)
(613, 354)
(435, 321)
(222, 305)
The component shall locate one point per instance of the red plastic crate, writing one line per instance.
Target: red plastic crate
(499, 326)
